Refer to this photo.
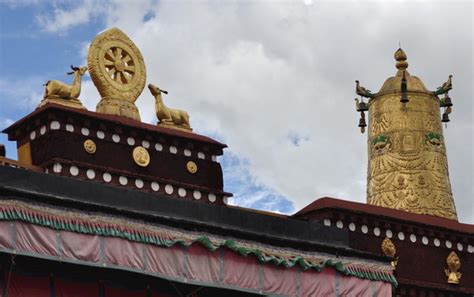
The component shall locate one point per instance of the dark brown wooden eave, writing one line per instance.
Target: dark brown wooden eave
(328, 203)
(113, 119)
(87, 196)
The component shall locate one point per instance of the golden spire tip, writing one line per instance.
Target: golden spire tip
(401, 57)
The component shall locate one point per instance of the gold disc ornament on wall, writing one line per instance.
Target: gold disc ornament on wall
(90, 146)
(141, 156)
(191, 167)
(118, 71)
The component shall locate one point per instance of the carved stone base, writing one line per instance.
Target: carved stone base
(171, 126)
(118, 107)
(75, 103)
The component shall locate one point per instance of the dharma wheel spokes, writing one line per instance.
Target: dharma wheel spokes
(118, 71)
(119, 65)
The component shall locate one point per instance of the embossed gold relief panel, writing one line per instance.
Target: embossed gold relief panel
(406, 174)
(397, 181)
(390, 162)
(387, 114)
(407, 158)
(407, 166)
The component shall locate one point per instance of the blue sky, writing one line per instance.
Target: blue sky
(29, 57)
(273, 80)
(29, 54)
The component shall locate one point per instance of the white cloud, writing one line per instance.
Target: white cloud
(5, 122)
(62, 19)
(257, 72)
(26, 93)
(128, 13)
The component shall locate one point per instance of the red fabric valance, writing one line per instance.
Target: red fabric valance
(194, 264)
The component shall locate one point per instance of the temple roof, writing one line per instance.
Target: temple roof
(131, 217)
(367, 209)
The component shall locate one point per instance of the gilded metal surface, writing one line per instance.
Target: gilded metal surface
(118, 71)
(408, 168)
(389, 250)
(401, 58)
(169, 117)
(56, 91)
(89, 146)
(454, 263)
(141, 156)
(24, 154)
(392, 84)
(191, 167)
(74, 103)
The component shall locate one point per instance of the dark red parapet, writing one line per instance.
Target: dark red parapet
(15, 132)
(423, 243)
(99, 147)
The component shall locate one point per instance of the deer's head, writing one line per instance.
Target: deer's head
(155, 90)
(80, 70)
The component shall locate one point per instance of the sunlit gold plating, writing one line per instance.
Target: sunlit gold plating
(454, 264)
(408, 167)
(141, 156)
(89, 146)
(191, 167)
(118, 71)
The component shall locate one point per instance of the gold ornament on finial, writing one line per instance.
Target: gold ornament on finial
(401, 57)
(141, 156)
(56, 91)
(407, 161)
(454, 263)
(169, 117)
(191, 167)
(89, 146)
(389, 250)
(118, 71)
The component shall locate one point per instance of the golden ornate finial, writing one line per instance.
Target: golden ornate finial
(401, 57)
(389, 250)
(454, 263)
(169, 117)
(56, 91)
(408, 166)
(118, 71)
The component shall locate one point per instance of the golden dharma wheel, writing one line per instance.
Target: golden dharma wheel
(118, 65)
(118, 71)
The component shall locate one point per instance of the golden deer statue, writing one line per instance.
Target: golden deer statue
(168, 116)
(58, 89)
